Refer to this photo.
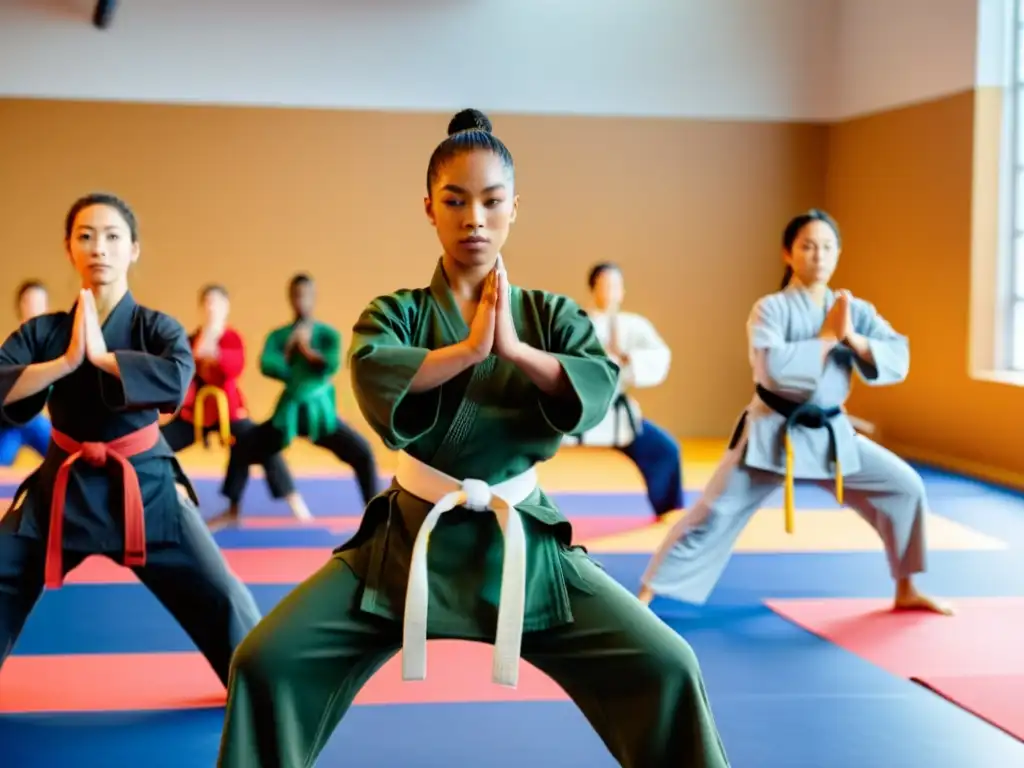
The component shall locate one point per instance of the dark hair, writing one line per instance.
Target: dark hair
(101, 198)
(301, 278)
(787, 275)
(598, 269)
(26, 286)
(209, 288)
(468, 130)
(793, 230)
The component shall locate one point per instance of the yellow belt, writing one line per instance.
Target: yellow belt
(789, 503)
(223, 413)
(806, 415)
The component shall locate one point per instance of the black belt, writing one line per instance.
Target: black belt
(620, 403)
(804, 415)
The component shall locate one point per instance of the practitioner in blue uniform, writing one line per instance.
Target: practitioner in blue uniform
(32, 300)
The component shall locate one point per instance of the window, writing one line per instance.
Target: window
(1015, 105)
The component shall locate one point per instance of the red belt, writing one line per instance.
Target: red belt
(99, 455)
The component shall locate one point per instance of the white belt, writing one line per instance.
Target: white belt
(446, 493)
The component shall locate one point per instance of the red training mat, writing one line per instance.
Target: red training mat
(457, 672)
(583, 527)
(983, 638)
(293, 565)
(997, 699)
(252, 566)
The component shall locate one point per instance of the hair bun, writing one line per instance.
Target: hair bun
(470, 120)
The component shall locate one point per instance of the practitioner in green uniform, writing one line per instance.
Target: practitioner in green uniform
(304, 355)
(474, 382)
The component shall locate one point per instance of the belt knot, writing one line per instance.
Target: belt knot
(478, 494)
(94, 454)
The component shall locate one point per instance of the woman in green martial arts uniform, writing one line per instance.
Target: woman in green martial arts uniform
(474, 382)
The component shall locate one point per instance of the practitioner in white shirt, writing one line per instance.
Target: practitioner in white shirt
(632, 341)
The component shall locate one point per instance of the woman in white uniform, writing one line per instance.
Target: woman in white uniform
(805, 343)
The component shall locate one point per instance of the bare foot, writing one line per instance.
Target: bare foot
(909, 599)
(298, 507)
(225, 519)
(646, 595)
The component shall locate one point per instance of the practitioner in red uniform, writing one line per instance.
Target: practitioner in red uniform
(220, 359)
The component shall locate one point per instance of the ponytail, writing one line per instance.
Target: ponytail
(786, 277)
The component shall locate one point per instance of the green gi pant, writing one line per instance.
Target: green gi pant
(636, 681)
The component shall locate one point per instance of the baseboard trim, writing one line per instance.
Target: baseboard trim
(1003, 477)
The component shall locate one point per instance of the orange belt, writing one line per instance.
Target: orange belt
(99, 455)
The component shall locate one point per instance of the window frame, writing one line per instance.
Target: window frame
(1015, 266)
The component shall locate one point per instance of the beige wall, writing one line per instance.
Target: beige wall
(692, 209)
